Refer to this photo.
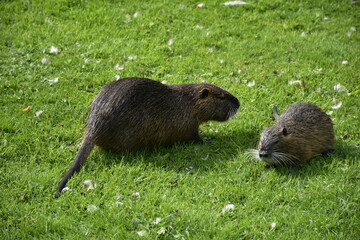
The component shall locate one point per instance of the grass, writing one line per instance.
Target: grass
(183, 189)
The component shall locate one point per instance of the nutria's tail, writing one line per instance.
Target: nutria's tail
(274, 110)
(82, 155)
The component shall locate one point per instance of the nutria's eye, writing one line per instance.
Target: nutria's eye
(284, 132)
(276, 142)
(204, 93)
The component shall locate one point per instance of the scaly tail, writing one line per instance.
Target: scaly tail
(82, 155)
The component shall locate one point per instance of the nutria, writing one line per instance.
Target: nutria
(136, 113)
(300, 133)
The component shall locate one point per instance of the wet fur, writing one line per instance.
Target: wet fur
(135, 113)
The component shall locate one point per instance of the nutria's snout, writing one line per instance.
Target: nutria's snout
(264, 155)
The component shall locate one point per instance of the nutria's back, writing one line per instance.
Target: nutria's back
(300, 133)
(136, 113)
(131, 114)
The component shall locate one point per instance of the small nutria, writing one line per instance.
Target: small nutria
(136, 113)
(300, 133)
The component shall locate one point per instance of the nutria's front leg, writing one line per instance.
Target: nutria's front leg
(195, 138)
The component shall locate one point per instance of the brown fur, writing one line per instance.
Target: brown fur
(136, 113)
(299, 134)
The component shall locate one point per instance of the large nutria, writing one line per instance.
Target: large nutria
(300, 133)
(136, 113)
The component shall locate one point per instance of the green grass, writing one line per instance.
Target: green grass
(187, 186)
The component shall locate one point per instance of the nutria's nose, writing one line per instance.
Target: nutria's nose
(263, 154)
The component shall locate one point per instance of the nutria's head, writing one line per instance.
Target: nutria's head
(214, 103)
(278, 146)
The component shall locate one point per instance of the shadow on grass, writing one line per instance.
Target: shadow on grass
(215, 149)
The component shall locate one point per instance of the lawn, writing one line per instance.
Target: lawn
(55, 56)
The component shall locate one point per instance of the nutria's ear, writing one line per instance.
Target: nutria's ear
(284, 132)
(276, 115)
(204, 93)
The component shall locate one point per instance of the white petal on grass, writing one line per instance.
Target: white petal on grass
(45, 61)
(340, 88)
(170, 42)
(87, 60)
(142, 233)
(119, 203)
(161, 231)
(344, 62)
(136, 194)
(133, 57)
(89, 184)
(55, 80)
(304, 34)
(199, 26)
(348, 34)
(119, 196)
(66, 189)
(326, 18)
(136, 14)
(119, 67)
(92, 208)
(296, 82)
(201, 5)
(353, 29)
(251, 84)
(157, 220)
(228, 208)
(38, 113)
(273, 225)
(164, 82)
(117, 77)
(337, 105)
(234, 3)
(54, 49)
(205, 158)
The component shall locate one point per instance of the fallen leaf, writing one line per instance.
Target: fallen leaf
(26, 109)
